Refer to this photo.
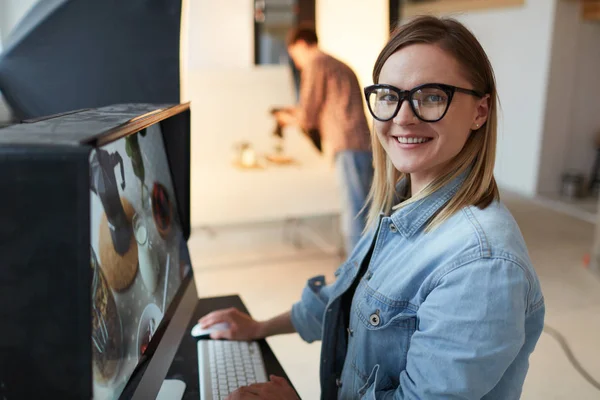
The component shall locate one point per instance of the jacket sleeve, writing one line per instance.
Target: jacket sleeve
(471, 327)
(307, 314)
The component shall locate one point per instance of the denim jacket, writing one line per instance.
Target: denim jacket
(453, 313)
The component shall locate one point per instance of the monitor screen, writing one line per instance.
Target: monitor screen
(138, 253)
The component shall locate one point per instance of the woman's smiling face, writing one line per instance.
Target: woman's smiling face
(423, 149)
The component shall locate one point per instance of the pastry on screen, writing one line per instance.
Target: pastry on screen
(120, 271)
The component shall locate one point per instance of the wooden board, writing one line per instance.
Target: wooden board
(591, 10)
(119, 271)
(451, 6)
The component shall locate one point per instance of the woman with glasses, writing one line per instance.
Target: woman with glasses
(439, 299)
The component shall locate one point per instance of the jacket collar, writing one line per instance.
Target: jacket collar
(412, 218)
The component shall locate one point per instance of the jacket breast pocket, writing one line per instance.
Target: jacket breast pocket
(382, 330)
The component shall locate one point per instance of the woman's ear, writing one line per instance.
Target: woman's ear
(481, 115)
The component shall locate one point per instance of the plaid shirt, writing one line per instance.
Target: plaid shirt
(331, 101)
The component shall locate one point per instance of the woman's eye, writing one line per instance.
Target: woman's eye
(388, 98)
(433, 98)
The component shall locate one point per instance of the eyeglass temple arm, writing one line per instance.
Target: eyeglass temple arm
(468, 91)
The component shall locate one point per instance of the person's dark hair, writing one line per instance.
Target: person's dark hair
(306, 34)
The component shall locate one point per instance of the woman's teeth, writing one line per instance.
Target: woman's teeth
(406, 140)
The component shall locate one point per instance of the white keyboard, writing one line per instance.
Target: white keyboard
(225, 366)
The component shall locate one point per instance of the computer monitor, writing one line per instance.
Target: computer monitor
(94, 263)
(138, 253)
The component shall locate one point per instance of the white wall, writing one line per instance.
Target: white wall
(353, 31)
(584, 123)
(559, 97)
(221, 34)
(572, 112)
(546, 60)
(11, 12)
(518, 43)
(219, 37)
(184, 51)
(5, 113)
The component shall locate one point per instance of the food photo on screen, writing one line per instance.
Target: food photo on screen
(135, 283)
(106, 327)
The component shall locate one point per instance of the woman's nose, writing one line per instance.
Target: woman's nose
(405, 115)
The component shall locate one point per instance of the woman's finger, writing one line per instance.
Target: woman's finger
(226, 334)
(215, 317)
(277, 379)
(241, 394)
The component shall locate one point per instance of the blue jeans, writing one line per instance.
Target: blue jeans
(354, 170)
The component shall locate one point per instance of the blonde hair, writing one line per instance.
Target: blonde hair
(479, 152)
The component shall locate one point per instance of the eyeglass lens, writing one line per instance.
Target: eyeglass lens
(429, 103)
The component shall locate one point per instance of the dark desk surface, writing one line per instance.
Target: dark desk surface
(185, 363)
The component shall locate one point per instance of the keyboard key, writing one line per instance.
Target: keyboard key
(225, 366)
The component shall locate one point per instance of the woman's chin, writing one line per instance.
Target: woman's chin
(405, 168)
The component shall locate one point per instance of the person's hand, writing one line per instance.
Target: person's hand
(276, 389)
(241, 325)
(285, 117)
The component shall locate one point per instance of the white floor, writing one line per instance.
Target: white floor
(261, 265)
(585, 208)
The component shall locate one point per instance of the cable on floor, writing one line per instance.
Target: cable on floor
(565, 346)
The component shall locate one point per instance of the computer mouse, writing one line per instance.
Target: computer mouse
(197, 330)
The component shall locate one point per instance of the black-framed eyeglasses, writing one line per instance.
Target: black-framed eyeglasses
(429, 102)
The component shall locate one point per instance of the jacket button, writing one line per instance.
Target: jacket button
(338, 382)
(374, 319)
(350, 332)
(368, 275)
(393, 228)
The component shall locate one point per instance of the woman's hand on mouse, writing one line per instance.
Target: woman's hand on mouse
(276, 389)
(241, 325)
